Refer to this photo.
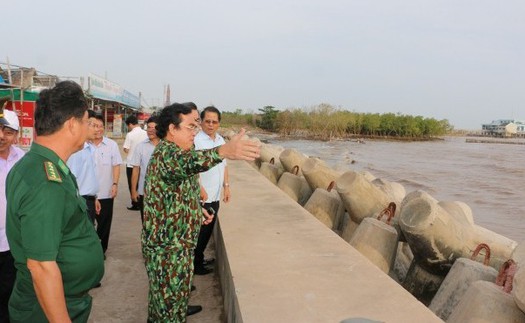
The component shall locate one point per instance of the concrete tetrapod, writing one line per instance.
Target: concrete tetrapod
(348, 227)
(318, 174)
(422, 284)
(395, 191)
(361, 198)
(269, 152)
(486, 302)
(404, 258)
(290, 158)
(326, 207)
(257, 162)
(459, 210)
(271, 172)
(436, 238)
(296, 187)
(518, 254)
(518, 287)
(377, 241)
(501, 247)
(462, 274)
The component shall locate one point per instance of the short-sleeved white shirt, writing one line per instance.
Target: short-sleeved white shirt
(107, 155)
(133, 138)
(213, 179)
(141, 158)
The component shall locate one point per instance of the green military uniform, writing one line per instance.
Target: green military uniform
(172, 220)
(47, 221)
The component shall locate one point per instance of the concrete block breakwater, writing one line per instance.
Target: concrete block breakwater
(412, 238)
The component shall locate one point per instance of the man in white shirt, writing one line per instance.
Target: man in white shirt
(140, 160)
(9, 155)
(82, 165)
(107, 166)
(135, 135)
(213, 182)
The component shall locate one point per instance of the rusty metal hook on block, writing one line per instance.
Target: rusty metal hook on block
(295, 170)
(506, 275)
(330, 186)
(389, 211)
(487, 253)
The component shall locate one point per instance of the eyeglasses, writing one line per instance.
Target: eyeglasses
(214, 122)
(94, 125)
(192, 127)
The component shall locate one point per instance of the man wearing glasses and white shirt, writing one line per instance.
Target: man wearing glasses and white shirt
(212, 183)
(9, 155)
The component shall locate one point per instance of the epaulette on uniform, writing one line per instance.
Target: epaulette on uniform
(52, 172)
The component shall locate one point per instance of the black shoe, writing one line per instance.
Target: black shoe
(193, 288)
(193, 309)
(208, 262)
(97, 285)
(133, 208)
(202, 270)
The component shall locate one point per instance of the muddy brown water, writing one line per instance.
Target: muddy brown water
(489, 177)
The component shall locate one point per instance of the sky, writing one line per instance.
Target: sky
(463, 61)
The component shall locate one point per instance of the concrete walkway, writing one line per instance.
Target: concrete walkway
(123, 295)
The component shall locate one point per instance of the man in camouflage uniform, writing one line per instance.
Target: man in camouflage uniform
(172, 211)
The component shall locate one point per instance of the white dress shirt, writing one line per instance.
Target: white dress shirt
(107, 155)
(133, 138)
(141, 158)
(15, 154)
(213, 179)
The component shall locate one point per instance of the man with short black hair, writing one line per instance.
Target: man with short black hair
(213, 183)
(82, 165)
(107, 166)
(140, 161)
(56, 249)
(172, 210)
(135, 135)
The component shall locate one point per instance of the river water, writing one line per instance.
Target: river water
(489, 177)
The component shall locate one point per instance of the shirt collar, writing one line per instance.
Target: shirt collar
(206, 136)
(14, 153)
(51, 155)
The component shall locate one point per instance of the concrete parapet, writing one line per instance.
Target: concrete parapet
(285, 266)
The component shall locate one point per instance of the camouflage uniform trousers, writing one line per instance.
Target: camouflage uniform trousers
(170, 274)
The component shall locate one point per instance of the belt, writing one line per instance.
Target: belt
(89, 197)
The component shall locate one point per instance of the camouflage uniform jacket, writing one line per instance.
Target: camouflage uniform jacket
(172, 212)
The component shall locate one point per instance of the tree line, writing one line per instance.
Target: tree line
(325, 122)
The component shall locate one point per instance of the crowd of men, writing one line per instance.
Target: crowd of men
(55, 220)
